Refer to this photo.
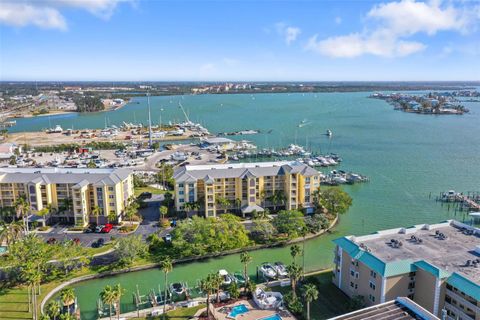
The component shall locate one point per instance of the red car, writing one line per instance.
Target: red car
(107, 228)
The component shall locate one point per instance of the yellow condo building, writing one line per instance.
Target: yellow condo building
(245, 187)
(73, 192)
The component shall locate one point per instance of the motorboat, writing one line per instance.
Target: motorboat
(268, 271)
(240, 278)
(227, 278)
(177, 288)
(267, 299)
(281, 269)
(328, 132)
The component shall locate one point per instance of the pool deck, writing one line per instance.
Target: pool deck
(254, 313)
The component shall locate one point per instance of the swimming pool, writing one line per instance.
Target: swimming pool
(3, 250)
(240, 309)
(272, 317)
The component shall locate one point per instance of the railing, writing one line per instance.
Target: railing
(463, 301)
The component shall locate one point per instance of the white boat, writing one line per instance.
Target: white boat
(177, 288)
(281, 269)
(268, 271)
(267, 299)
(58, 129)
(227, 278)
(329, 132)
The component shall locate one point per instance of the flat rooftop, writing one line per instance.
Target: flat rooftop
(392, 310)
(450, 253)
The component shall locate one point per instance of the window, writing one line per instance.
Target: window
(181, 200)
(373, 274)
(372, 285)
(112, 204)
(371, 298)
(110, 188)
(180, 185)
(351, 284)
(190, 185)
(181, 192)
(307, 180)
(352, 273)
(111, 196)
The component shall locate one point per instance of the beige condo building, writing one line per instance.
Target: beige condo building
(247, 187)
(79, 189)
(436, 266)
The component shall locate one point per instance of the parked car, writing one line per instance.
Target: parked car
(99, 228)
(107, 228)
(90, 228)
(52, 241)
(99, 243)
(173, 223)
(168, 238)
(145, 195)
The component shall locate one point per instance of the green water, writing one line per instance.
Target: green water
(407, 157)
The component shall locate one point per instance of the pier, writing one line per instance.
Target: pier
(469, 201)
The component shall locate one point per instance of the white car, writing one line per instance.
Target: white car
(168, 237)
(99, 228)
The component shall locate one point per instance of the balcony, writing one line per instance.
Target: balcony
(463, 301)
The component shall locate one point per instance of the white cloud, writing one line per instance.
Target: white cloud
(394, 23)
(289, 33)
(47, 13)
(20, 15)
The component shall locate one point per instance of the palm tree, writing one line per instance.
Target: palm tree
(67, 204)
(108, 297)
(245, 259)
(166, 266)
(22, 207)
(10, 232)
(68, 297)
(217, 281)
(53, 309)
(238, 204)
(310, 293)
(294, 252)
(96, 212)
(222, 202)
(43, 213)
(163, 211)
(295, 272)
(118, 292)
(207, 286)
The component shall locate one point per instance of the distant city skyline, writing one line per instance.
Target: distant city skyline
(135, 40)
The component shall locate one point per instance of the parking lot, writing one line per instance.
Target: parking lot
(149, 225)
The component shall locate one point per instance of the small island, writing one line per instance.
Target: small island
(431, 103)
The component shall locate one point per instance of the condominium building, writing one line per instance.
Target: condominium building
(246, 187)
(436, 266)
(75, 192)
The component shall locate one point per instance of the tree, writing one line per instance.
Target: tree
(118, 292)
(112, 216)
(163, 211)
(262, 231)
(167, 267)
(96, 212)
(356, 302)
(43, 213)
(217, 281)
(168, 199)
(129, 248)
(165, 175)
(108, 297)
(278, 197)
(68, 297)
(22, 207)
(88, 103)
(91, 164)
(207, 286)
(11, 232)
(245, 259)
(53, 309)
(310, 294)
(316, 222)
(295, 252)
(233, 291)
(289, 222)
(334, 200)
(295, 272)
(222, 202)
(131, 210)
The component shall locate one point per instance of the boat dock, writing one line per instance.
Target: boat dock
(469, 201)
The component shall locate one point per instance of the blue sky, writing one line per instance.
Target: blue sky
(239, 40)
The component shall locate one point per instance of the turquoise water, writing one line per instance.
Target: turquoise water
(273, 317)
(409, 158)
(237, 310)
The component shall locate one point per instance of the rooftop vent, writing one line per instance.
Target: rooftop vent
(395, 243)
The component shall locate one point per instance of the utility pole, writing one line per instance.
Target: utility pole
(150, 144)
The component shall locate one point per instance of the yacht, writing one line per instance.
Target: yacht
(268, 271)
(227, 278)
(281, 269)
(177, 288)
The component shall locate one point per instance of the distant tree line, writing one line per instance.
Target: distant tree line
(88, 103)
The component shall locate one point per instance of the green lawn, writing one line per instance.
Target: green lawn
(331, 301)
(152, 190)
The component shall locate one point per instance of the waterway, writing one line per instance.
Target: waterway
(408, 157)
